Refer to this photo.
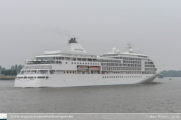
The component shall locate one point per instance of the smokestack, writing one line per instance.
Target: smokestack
(72, 40)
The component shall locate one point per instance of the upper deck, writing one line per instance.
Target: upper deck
(75, 58)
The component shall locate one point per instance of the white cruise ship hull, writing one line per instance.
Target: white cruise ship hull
(76, 80)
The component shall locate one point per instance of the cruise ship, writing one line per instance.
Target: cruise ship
(74, 67)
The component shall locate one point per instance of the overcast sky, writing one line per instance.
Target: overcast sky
(29, 27)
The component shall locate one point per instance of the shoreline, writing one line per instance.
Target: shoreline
(7, 77)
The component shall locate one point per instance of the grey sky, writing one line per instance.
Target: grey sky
(28, 27)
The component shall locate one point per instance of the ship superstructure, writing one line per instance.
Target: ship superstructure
(75, 67)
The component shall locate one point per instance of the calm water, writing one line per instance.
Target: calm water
(162, 96)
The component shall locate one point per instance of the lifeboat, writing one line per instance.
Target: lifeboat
(82, 67)
(94, 68)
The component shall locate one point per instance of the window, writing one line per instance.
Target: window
(66, 62)
(52, 71)
(42, 72)
(41, 77)
(22, 72)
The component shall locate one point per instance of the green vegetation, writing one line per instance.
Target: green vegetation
(171, 73)
(9, 72)
(15, 69)
(1, 68)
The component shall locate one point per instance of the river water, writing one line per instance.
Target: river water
(162, 96)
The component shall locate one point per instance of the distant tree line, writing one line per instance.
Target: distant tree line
(171, 73)
(15, 69)
(9, 72)
(2, 68)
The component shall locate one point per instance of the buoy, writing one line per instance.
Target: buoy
(170, 79)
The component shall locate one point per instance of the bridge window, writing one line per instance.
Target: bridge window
(52, 71)
(41, 77)
(42, 72)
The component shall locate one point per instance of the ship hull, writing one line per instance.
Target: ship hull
(76, 80)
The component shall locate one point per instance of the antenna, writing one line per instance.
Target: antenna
(125, 49)
(129, 45)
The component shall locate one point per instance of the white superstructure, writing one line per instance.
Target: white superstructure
(75, 67)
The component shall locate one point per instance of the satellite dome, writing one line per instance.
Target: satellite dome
(130, 50)
(113, 49)
(117, 51)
